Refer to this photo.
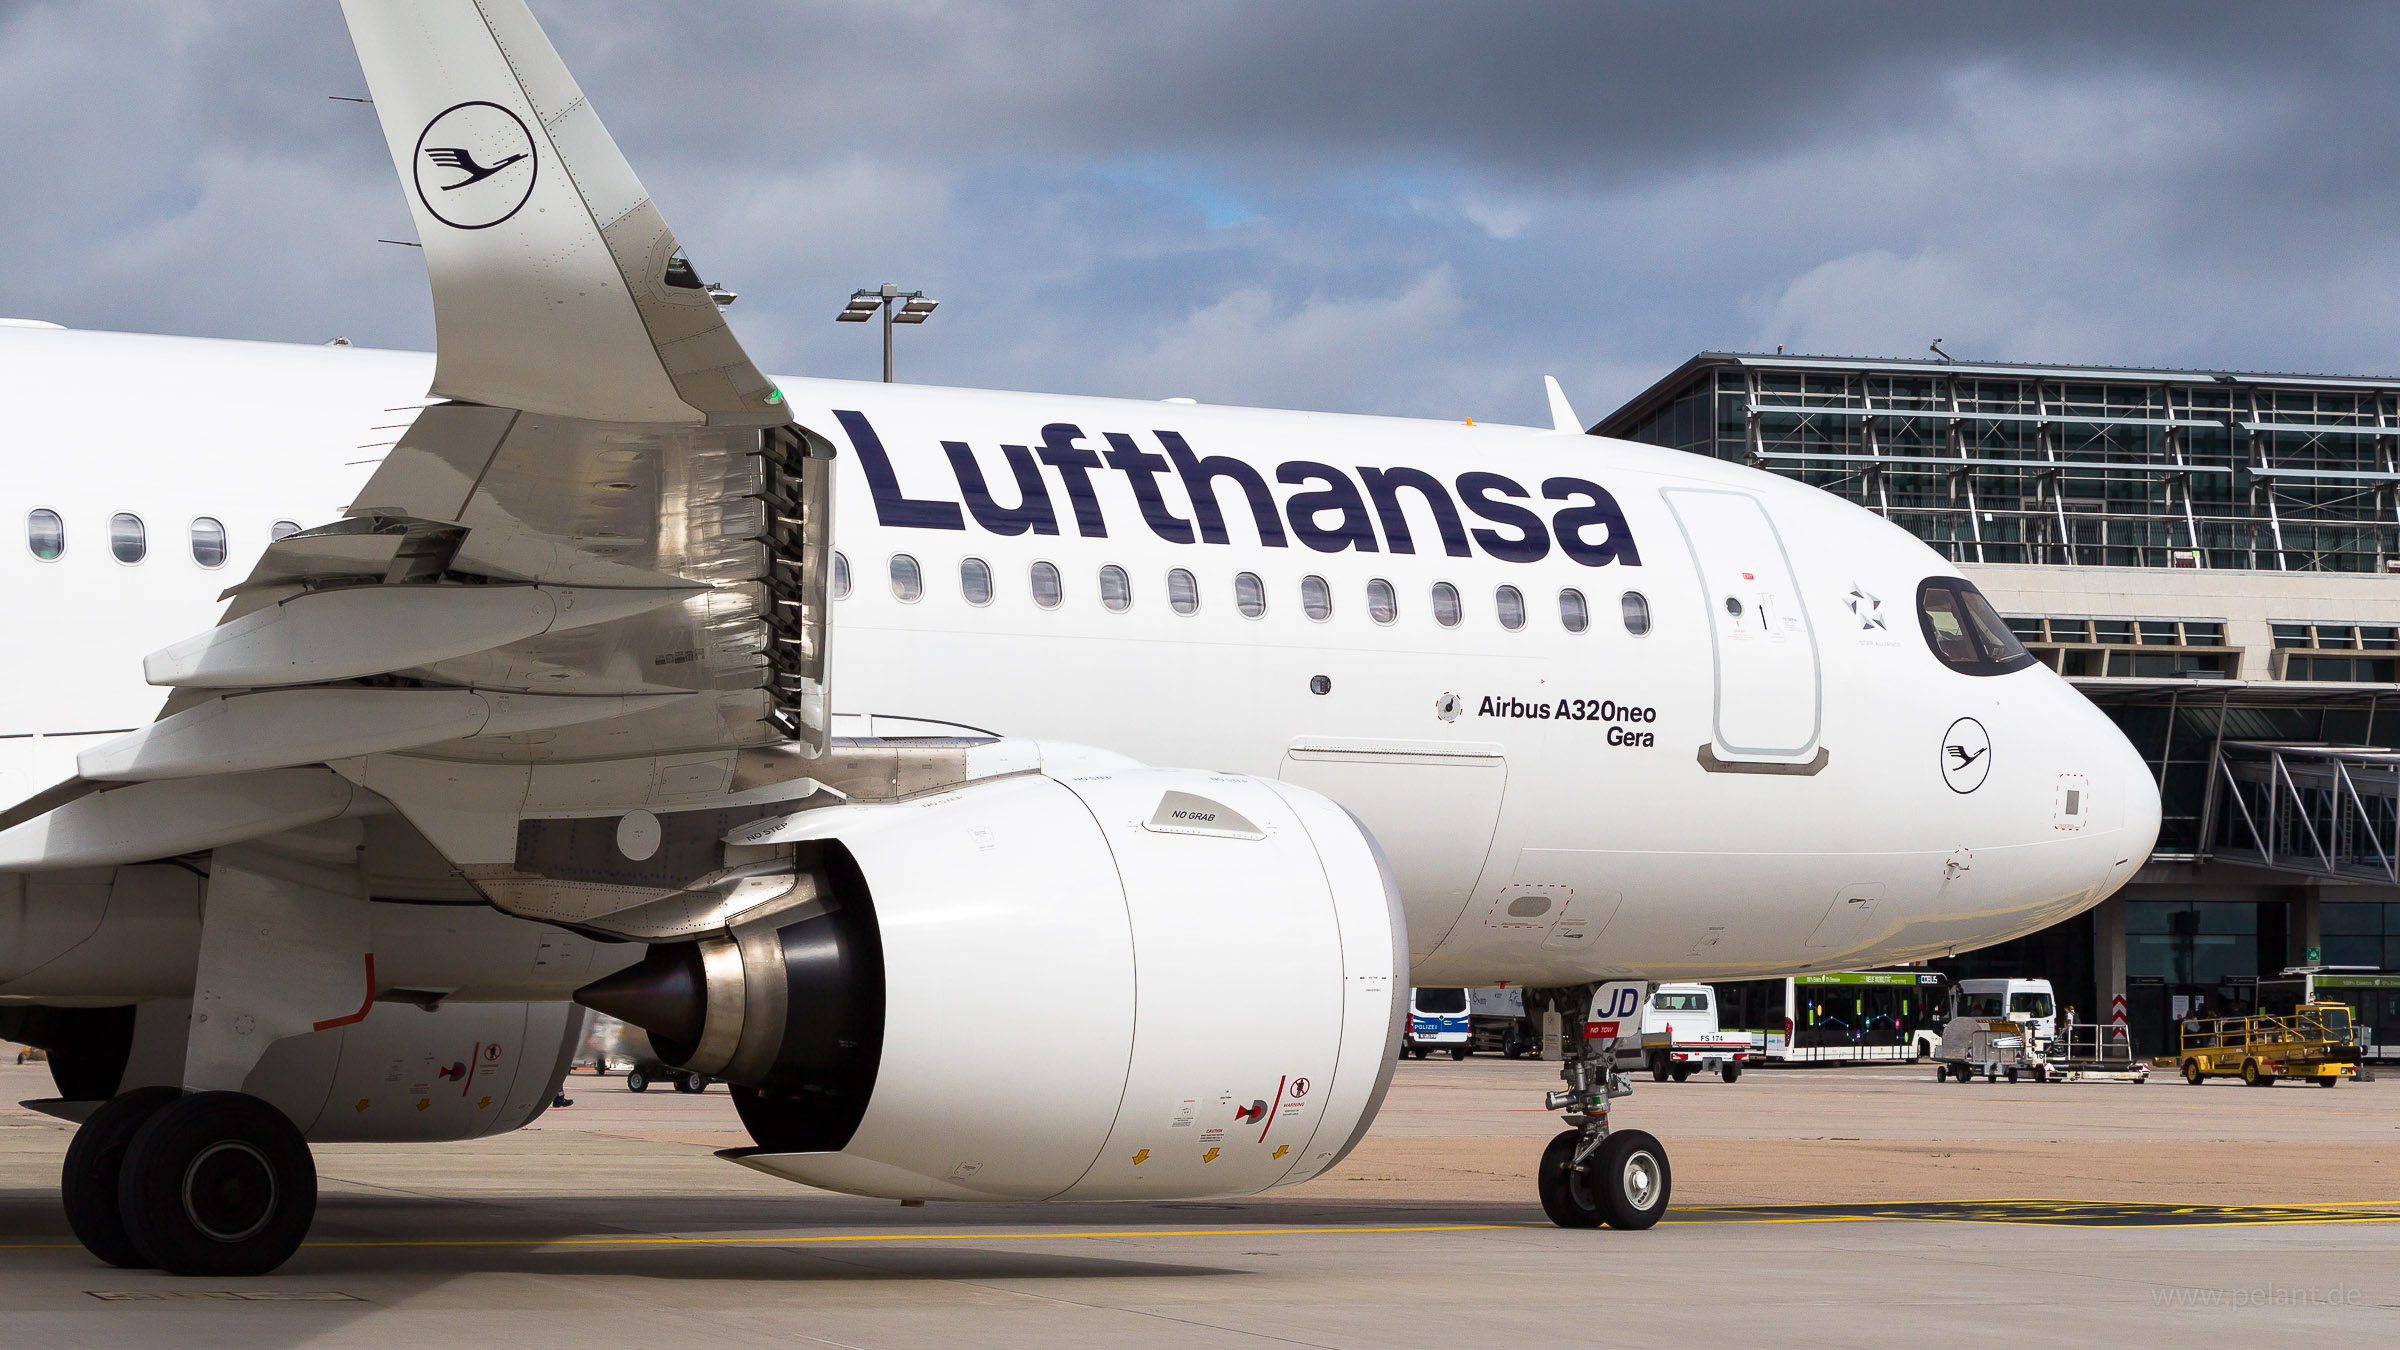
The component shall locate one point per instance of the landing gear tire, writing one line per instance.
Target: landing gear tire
(95, 1160)
(691, 1082)
(1625, 1184)
(637, 1081)
(1566, 1193)
(1633, 1180)
(218, 1184)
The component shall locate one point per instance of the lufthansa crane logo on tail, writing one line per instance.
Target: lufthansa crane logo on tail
(1966, 755)
(475, 165)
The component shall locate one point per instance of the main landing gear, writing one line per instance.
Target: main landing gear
(205, 1183)
(1589, 1175)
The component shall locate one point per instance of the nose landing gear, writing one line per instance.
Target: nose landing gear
(1589, 1175)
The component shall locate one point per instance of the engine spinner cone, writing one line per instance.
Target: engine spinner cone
(663, 994)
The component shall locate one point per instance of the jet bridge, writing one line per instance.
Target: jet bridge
(2322, 810)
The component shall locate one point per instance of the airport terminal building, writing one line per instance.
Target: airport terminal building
(2213, 557)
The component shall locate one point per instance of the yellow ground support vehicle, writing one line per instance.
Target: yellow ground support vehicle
(2313, 1041)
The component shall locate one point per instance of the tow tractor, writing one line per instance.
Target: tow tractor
(1989, 1047)
(2312, 1042)
(1995, 1029)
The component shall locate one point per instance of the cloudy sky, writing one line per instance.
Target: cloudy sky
(1387, 207)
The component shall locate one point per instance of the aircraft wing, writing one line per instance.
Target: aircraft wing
(603, 539)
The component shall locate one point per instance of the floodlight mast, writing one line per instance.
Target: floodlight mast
(864, 305)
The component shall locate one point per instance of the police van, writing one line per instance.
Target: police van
(1437, 1020)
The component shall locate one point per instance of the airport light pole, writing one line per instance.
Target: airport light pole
(896, 306)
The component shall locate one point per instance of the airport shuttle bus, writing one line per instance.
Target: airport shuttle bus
(1846, 1017)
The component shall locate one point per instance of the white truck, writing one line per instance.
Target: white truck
(1680, 1037)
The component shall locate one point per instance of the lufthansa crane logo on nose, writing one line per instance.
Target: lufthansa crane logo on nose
(1966, 755)
(475, 165)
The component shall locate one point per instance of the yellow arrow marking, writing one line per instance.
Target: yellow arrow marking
(1281, 1149)
(1141, 1157)
(1210, 1156)
(362, 1105)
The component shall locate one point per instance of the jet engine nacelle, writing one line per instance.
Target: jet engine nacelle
(1121, 983)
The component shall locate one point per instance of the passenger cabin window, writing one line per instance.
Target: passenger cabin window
(975, 581)
(1964, 631)
(1316, 598)
(1116, 589)
(1446, 609)
(1183, 592)
(908, 579)
(208, 542)
(1636, 607)
(45, 534)
(841, 577)
(1048, 590)
(1511, 603)
(126, 537)
(1249, 595)
(1383, 603)
(1573, 613)
(282, 529)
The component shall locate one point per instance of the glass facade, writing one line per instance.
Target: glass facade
(2361, 934)
(2050, 465)
(2191, 943)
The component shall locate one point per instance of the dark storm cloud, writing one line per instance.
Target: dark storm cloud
(1402, 207)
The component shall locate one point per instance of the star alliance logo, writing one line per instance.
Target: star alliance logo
(1863, 603)
(491, 147)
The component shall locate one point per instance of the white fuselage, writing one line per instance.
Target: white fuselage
(1724, 795)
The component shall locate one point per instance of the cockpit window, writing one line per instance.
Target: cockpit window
(1965, 631)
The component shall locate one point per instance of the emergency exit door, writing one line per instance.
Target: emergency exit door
(1769, 690)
